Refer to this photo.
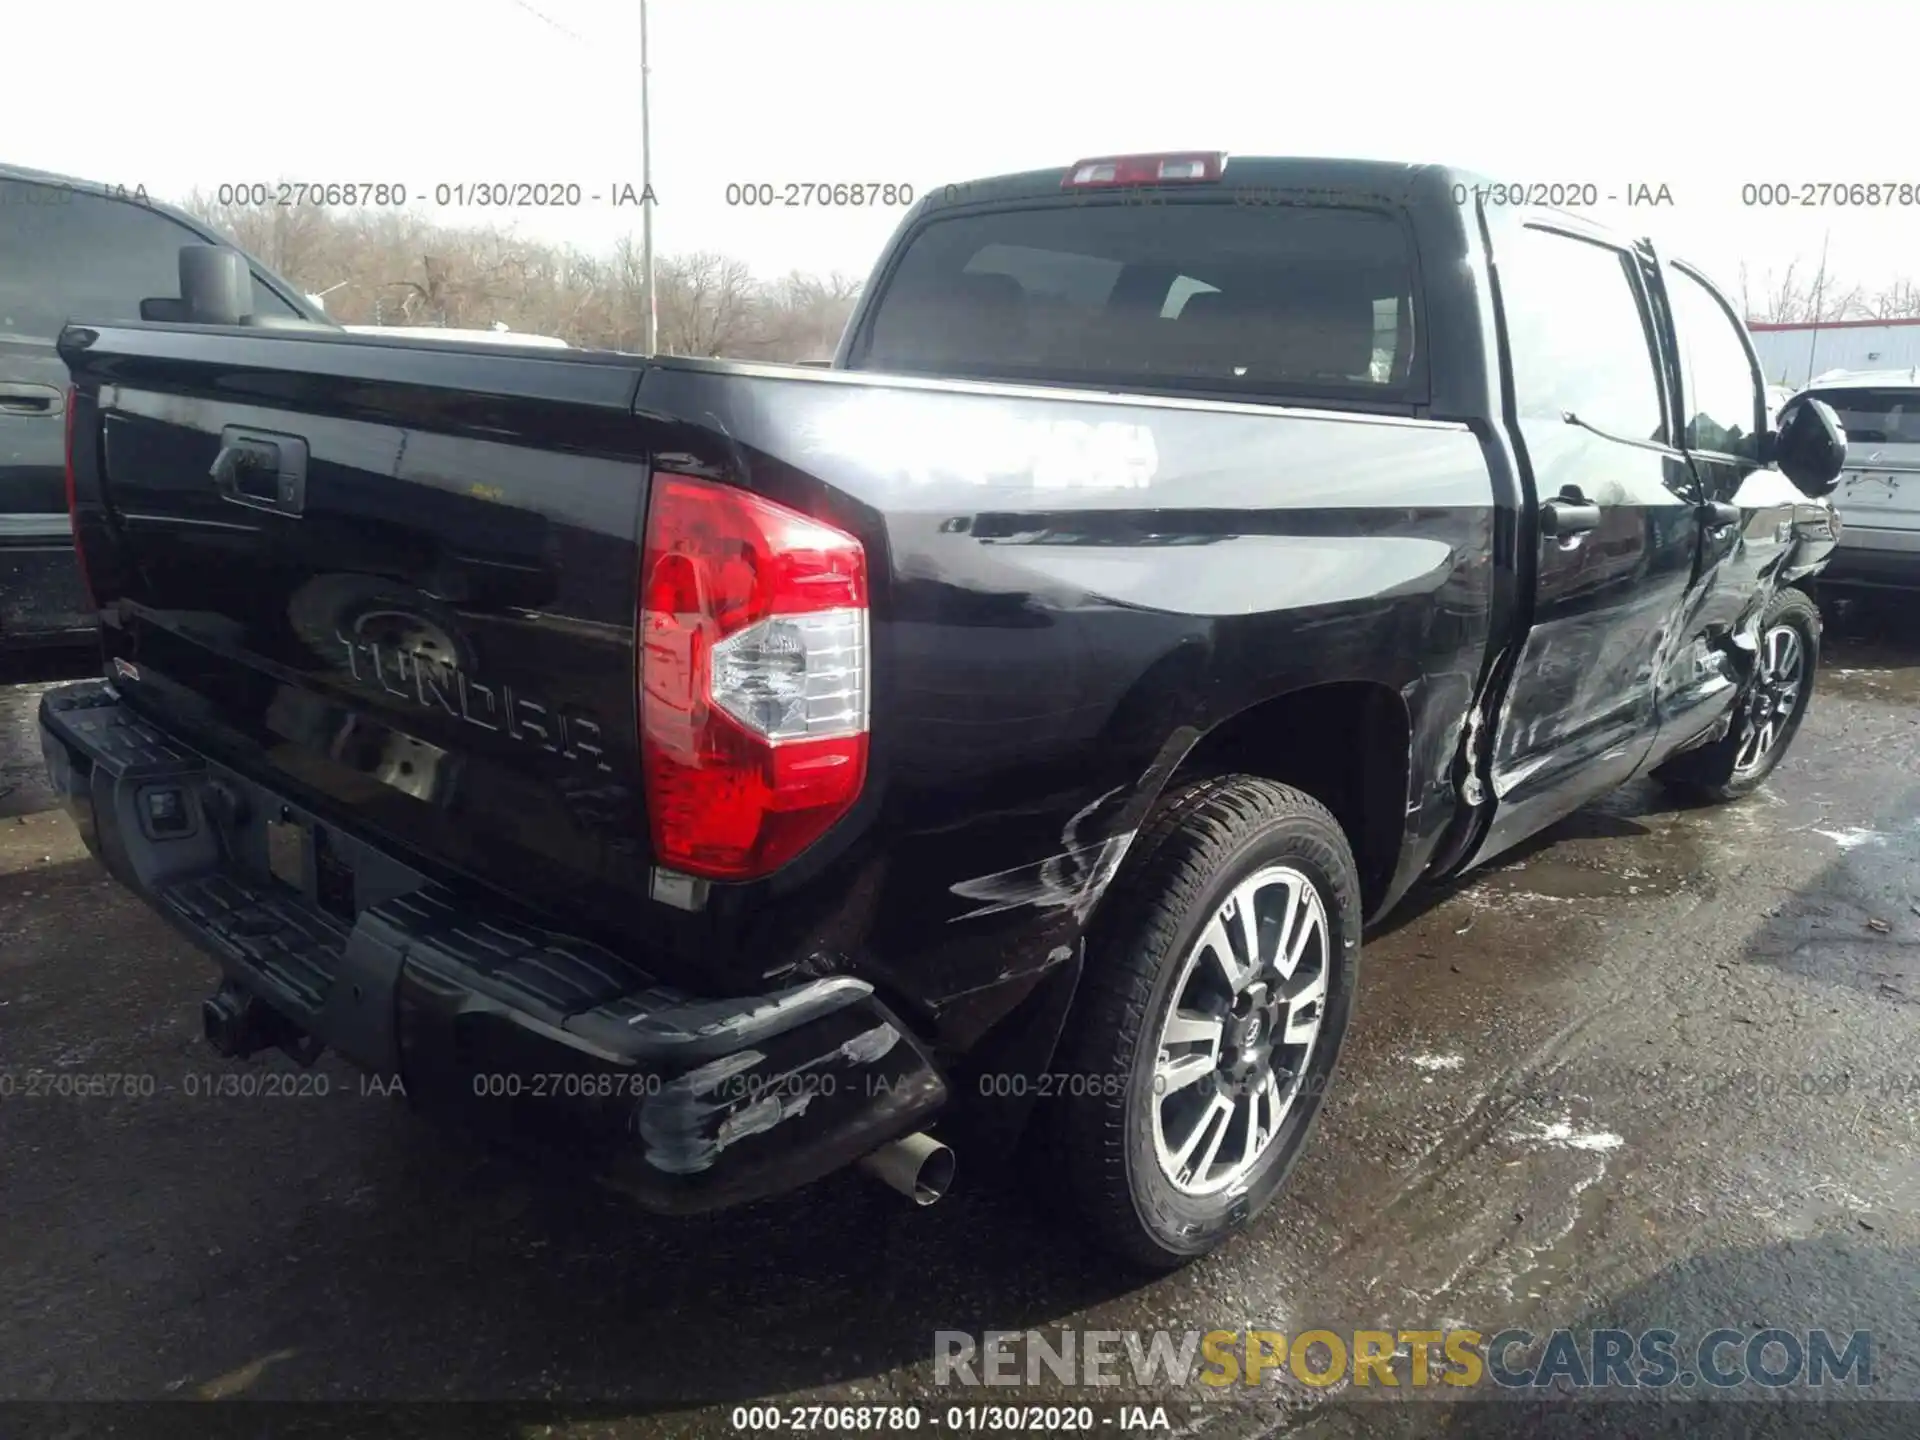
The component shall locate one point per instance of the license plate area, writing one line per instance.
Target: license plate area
(332, 879)
(301, 856)
(288, 846)
(1872, 479)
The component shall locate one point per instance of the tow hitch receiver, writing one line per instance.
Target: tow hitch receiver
(238, 1025)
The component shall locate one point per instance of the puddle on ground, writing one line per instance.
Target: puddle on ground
(1871, 947)
(1629, 845)
(1858, 924)
(1866, 682)
(1871, 648)
(1572, 877)
(23, 773)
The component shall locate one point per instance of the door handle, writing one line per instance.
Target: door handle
(1718, 515)
(1563, 517)
(20, 398)
(265, 471)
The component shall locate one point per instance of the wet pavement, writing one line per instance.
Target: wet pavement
(1659, 1069)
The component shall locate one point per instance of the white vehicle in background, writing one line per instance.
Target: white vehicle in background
(1878, 499)
(499, 335)
(1777, 398)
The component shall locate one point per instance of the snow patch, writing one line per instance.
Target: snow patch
(1439, 1062)
(1852, 836)
(1562, 1134)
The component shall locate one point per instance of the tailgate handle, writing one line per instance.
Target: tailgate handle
(261, 469)
(20, 398)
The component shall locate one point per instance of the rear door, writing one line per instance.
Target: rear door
(1747, 510)
(65, 254)
(1617, 531)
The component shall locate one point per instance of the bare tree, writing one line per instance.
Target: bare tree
(704, 301)
(287, 237)
(1899, 301)
(800, 316)
(1793, 300)
(398, 267)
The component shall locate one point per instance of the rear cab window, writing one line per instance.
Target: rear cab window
(1315, 300)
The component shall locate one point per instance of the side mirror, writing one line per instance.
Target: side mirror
(215, 285)
(1810, 447)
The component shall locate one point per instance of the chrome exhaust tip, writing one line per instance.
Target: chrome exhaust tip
(919, 1167)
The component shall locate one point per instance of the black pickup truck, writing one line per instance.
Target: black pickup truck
(724, 773)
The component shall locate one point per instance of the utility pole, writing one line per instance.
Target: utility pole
(1819, 299)
(646, 191)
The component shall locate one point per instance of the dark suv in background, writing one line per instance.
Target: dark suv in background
(72, 250)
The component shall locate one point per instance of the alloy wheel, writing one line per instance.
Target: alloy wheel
(1771, 704)
(1241, 1024)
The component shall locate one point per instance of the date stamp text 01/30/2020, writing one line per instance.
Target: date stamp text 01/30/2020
(552, 194)
(393, 194)
(877, 194)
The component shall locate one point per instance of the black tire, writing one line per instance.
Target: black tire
(1099, 1138)
(1714, 773)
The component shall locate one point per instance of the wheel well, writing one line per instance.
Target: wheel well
(1345, 744)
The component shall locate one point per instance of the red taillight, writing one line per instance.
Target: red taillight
(753, 678)
(73, 508)
(1159, 169)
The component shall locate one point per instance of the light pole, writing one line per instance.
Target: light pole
(646, 191)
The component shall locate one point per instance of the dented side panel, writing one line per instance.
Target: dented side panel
(1076, 591)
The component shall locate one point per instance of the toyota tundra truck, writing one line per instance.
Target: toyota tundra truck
(998, 742)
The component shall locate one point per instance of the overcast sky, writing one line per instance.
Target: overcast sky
(1699, 97)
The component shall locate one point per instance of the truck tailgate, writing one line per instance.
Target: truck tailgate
(394, 580)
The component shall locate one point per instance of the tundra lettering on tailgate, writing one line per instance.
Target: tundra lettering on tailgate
(436, 685)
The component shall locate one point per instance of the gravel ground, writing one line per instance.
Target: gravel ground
(1657, 1070)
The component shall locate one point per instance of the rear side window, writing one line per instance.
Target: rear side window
(1720, 392)
(1876, 417)
(67, 255)
(1304, 300)
(1578, 334)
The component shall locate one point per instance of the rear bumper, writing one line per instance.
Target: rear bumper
(687, 1103)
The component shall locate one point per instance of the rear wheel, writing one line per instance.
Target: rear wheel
(1767, 717)
(1216, 998)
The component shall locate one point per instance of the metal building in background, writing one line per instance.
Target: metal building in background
(1793, 354)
